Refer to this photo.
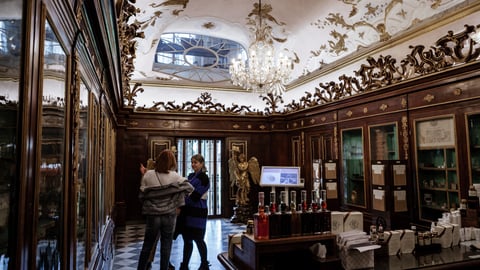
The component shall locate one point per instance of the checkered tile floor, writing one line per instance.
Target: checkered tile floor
(129, 240)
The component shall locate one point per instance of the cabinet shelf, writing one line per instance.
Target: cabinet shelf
(436, 173)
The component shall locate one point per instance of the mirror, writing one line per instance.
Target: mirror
(52, 156)
(80, 187)
(10, 63)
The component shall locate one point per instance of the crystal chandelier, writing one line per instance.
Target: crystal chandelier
(262, 72)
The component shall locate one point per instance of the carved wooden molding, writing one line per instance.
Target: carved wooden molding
(405, 135)
(428, 98)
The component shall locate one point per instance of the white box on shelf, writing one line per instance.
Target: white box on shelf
(407, 241)
(336, 222)
(352, 221)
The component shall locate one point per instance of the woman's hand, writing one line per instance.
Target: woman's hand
(143, 170)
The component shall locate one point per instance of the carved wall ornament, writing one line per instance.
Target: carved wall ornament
(457, 91)
(133, 123)
(236, 126)
(386, 71)
(383, 107)
(249, 126)
(349, 113)
(323, 118)
(404, 103)
(312, 121)
(365, 110)
(428, 98)
(203, 104)
(405, 135)
(262, 127)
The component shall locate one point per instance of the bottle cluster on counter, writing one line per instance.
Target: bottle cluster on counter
(286, 218)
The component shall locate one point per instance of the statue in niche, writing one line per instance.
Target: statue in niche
(243, 173)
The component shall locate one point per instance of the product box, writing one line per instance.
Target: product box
(445, 235)
(336, 222)
(392, 241)
(407, 241)
(352, 221)
(455, 234)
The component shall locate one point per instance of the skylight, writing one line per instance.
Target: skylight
(195, 57)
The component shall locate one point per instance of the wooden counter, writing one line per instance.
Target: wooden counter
(285, 253)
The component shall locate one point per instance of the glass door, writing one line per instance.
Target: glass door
(473, 125)
(353, 167)
(211, 150)
(436, 161)
(52, 156)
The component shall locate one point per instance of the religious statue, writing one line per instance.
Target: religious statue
(241, 172)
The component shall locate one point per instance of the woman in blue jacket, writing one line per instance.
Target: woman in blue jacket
(195, 214)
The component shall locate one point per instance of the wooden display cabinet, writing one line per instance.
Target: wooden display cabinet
(473, 127)
(353, 167)
(436, 166)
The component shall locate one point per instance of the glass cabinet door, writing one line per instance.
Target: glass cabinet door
(383, 142)
(51, 184)
(10, 76)
(353, 167)
(473, 122)
(436, 174)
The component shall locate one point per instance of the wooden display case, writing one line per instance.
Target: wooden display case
(436, 166)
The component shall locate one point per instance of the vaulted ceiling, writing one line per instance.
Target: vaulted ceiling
(314, 34)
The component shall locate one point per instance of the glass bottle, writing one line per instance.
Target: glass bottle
(303, 195)
(314, 203)
(261, 220)
(296, 218)
(317, 217)
(323, 198)
(273, 202)
(285, 216)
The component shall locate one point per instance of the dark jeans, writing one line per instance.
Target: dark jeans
(163, 225)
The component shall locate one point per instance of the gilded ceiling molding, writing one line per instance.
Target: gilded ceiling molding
(127, 33)
(203, 104)
(384, 71)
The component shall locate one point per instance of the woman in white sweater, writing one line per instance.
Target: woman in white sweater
(162, 192)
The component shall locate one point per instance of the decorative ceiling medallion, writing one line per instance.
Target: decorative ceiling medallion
(383, 107)
(428, 98)
(457, 92)
(208, 25)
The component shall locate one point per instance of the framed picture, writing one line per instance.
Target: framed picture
(438, 132)
(157, 146)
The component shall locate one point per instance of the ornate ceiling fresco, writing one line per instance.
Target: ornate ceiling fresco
(316, 35)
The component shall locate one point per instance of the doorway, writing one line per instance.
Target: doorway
(211, 150)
